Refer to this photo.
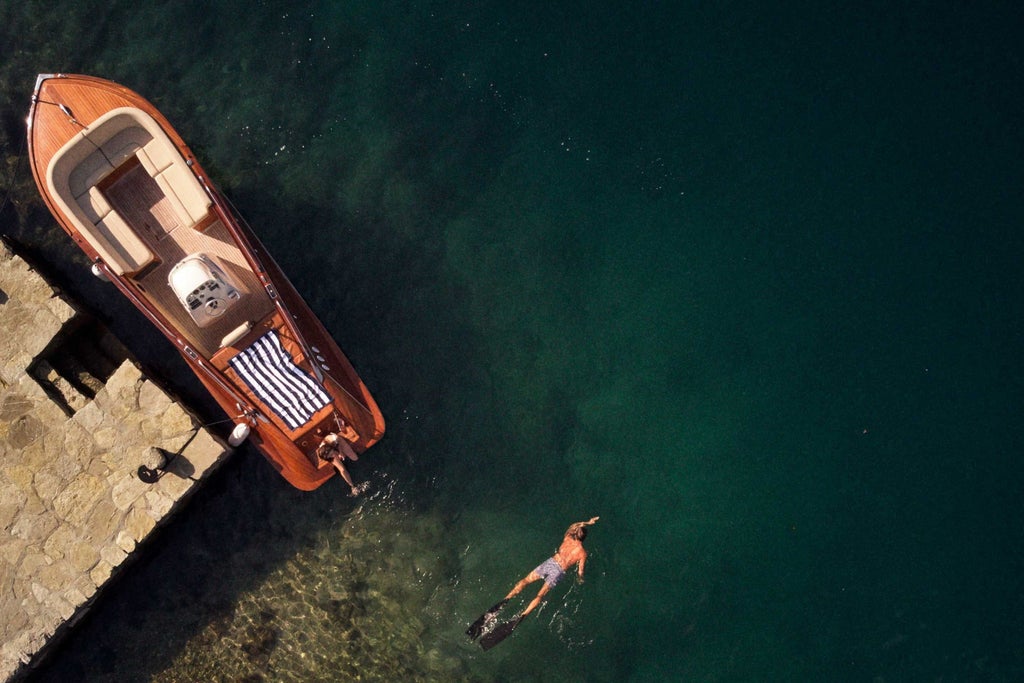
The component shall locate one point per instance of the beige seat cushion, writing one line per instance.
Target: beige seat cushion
(125, 144)
(177, 181)
(94, 204)
(91, 169)
(126, 253)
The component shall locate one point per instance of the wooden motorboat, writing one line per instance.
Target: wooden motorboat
(125, 186)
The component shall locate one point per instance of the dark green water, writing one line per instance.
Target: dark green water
(744, 281)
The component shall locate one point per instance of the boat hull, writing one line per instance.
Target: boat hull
(136, 218)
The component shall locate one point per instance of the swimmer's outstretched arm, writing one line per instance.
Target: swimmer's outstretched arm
(577, 525)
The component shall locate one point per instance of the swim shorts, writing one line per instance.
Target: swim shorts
(550, 572)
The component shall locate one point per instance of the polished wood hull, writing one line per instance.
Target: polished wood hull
(127, 189)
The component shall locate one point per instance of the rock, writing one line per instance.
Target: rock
(34, 456)
(126, 491)
(90, 417)
(11, 552)
(124, 384)
(40, 592)
(19, 475)
(75, 503)
(83, 585)
(70, 501)
(64, 464)
(33, 527)
(55, 576)
(105, 438)
(204, 452)
(159, 504)
(78, 442)
(59, 541)
(112, 555)
(154, 458)
(82, 556)
(100, 573)
(125, 542)
(102, 523)
(138, 524)
(14, 405)
(24, 430)
(59, 607)
(33, 505)
(152, 400)
(48, 484)
(175, 423)
(8, 511)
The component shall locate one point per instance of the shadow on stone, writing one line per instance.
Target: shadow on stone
(160, 461)
(77, 363)
(180, 466)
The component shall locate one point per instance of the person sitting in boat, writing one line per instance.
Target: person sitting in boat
(347, 432)
(553, 569)
(334, 450)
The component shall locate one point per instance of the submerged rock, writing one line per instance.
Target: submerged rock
(337, 610)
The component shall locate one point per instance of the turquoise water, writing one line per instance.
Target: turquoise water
(743, 281)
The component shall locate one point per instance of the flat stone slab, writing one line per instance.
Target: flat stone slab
(72, 507)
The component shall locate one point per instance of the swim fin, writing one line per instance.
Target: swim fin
(501, 632)
(485, 620)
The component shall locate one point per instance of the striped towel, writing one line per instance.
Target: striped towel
(275, 379)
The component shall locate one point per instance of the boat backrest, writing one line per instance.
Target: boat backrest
(71, 178)
(109, 141)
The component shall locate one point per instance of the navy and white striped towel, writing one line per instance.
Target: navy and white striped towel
(275, 379)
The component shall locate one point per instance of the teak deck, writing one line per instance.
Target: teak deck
(144, 207)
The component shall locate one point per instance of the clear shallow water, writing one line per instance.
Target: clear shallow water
(743, 282)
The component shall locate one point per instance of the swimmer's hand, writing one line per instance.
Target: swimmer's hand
(593, 519)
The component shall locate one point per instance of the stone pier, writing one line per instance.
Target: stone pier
(77, 419)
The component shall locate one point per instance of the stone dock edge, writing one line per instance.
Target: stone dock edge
(77, 420)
